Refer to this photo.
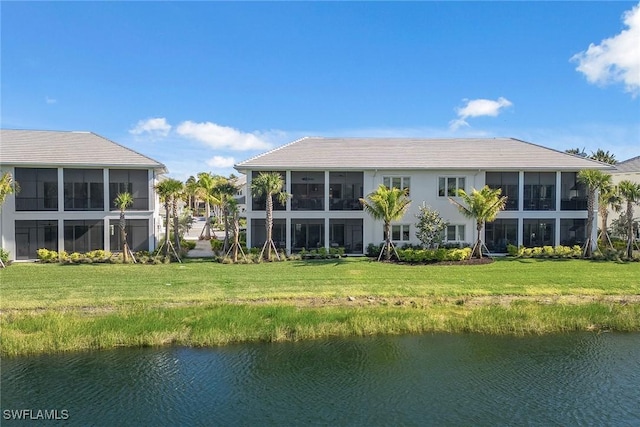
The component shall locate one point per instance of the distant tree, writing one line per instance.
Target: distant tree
(122, 202)
(576, 151)
(430, 226)
(269, 184)
(483, 206)
(225, 189)
(595, 180)
(630, 192)
(603, 156)
(206, 184)
(169, 189)
(190, 192)
(386, 204)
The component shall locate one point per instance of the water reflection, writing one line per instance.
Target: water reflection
(577, 379)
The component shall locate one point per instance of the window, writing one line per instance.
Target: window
(508, 183)
(448, 186)
(454, 233)
(83, 235)
(501, 233)
(538, 232)
(307, 191)
(401, 233)
(573, 194)
(132, 181)
(259, 203)
(539, 191)
(83, 190)
(345, 191)
(137, 234)
(402, 182)
(38, 189)
(34, 235)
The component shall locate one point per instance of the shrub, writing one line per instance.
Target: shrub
(45, 255)
(4, 256)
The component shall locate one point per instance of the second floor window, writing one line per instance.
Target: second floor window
(402, 182)
(83, 190)
(448, 186)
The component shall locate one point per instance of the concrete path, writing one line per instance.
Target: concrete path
(202, 250)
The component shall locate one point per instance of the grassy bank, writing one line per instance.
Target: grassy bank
(48, 308)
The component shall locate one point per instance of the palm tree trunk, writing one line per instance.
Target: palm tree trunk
(123, 238)
(588, 252)
(207, 225)
(629, 229)
(387, 231)
(604, 215)
(225, 213)
(236, 238)
(478, 247)
(176, 225)
(269, 224)
(166, 228)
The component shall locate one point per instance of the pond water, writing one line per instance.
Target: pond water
(572, 379)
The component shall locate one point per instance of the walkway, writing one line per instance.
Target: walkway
(202, 250)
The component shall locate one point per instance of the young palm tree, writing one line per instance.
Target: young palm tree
(190, 192)
(122, 202)
(595, 181)
(630, 191)
(177, 188)
(7, 186)
(206, 184)
(167, 189)
(609, 198)
(269, 184)
(387, 205)
(483, 206)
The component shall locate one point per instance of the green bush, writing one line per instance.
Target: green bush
(425, 256)
(4, 256)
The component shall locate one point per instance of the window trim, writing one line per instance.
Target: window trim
(459, 228)
(405, 182)
(445, 179)
(402, 232)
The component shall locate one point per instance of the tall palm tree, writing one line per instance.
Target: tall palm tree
(206, 183)
(595, 181)
(609, 198)
(225, 189)
(387, 205)
(483, 206)
(603, 156)
(630, 191)
(122, 202)
(177, 188)
(167, 190)
(269, 184)
(190, 192)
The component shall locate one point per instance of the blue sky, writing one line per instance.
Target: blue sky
(200, 86)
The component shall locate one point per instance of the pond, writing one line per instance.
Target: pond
(570, 379)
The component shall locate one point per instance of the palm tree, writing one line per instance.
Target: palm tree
(386, 204)
(190, 192)
(177, 189)
(595, 180)
(604, 156)
(225, 189)
(7, 186)
(630, 191)
(206, 182)
(269, 184)
(167, 191)
(122, 202)
(483, 206)
(609, 198)
(576, 151)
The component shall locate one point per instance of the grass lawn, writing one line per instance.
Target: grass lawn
(50, 307)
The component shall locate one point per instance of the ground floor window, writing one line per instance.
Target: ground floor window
(307, 234)
(259, 233)
(401, 232)
(137, 234)
(34, 235)
(83, 235)
(538, 232)
(500, 233)
(347, 234)
(454, 233)
(573, 232)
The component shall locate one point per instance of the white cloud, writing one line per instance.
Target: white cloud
(50, 100)
(616, 59)
(221, 162)
(221, 137)
(477, 108)
(155, 127)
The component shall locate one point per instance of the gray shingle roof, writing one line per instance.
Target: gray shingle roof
(411, 153)
(57, 148)
(631, 165)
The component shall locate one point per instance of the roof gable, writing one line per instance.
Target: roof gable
(413, 153)
(58, 148)
(631, 165)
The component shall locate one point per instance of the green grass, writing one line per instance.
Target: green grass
(51, 308)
